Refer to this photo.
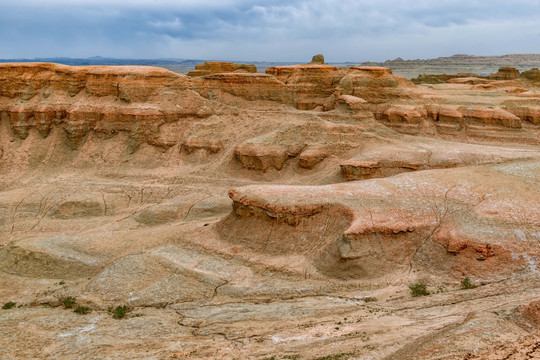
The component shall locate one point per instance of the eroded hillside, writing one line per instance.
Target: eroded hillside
(280, 215)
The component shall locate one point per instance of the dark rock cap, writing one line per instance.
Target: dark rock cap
(318, 59)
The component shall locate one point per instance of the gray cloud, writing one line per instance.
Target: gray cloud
(275, 30)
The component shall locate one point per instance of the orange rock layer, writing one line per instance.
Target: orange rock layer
(139, 100)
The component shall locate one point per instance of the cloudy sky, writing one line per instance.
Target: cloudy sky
(272, 30)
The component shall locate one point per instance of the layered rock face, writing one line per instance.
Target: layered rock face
(440, 221)
(397, 103)
(317, 86)
(244, 86)
(132, 100)
(246, 215)
(217, 67)
(93, 98)
(505, 73)
(533, 74)
(310, 85)
(375, 84)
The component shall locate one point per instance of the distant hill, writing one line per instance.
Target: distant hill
(459, 63)
(512, 59)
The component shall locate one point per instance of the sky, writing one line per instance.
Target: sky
(268, 30)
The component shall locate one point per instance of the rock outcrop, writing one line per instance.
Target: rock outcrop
(310, 142)
(439, 221)
(505, 73)
(132, 100)
(374, 84)
(533, 74)
(217, 67)
(378, 160)
(245, 86)
(317, 59)
(310, 85)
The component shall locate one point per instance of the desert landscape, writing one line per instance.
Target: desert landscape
(459, 63)
(307, 212)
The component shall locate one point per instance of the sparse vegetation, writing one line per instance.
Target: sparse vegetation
(184, 355)
(9, 305)
(419, 289)
(336, 357)
(467, 284)
(369, 299)
(441, 289)
(82, 310)
(120, 312)
(68, 302)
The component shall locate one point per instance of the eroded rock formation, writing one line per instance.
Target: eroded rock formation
(279, 214)
(216, 67)
(505, 73)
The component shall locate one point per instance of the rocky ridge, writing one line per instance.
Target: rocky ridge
(459, 63)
